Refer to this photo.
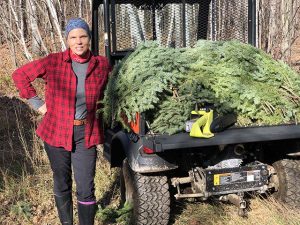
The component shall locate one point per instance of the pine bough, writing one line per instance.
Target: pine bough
(167, 83)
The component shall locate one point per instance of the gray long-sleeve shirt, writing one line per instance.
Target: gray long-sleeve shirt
(80, 70)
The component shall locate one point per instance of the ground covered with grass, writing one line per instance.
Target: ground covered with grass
(26, 196)
(26, 184)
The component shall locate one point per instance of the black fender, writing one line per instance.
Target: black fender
(121, 147)
(114, 147)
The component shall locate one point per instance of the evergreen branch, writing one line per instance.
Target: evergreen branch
(166, 83)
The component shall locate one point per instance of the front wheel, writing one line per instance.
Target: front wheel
(288, 182)
(148, 194)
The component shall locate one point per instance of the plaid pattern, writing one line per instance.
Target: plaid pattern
(56, 128)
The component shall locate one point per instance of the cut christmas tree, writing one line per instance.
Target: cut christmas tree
(167, 83)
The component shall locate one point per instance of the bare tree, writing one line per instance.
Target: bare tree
(289, 15)
(20, 28)
(37, 25)
(80, 13)
(137, 35)
(171, 25)
(38, 45)
(189, 24)
(7, 29)
(159, 25)
(278, 28)
(55, 21)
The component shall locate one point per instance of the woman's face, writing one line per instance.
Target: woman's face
(78, 41)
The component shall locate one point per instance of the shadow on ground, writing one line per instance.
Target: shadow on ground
(16, 137)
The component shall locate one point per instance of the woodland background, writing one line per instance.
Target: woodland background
(36, 27)
(30, 29)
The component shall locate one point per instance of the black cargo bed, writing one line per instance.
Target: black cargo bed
(162, 143)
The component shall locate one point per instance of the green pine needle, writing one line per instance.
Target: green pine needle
(166, 83)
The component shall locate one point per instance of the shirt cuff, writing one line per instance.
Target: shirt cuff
(35, 102)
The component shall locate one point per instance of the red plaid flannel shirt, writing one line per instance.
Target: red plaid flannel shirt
(56, 128)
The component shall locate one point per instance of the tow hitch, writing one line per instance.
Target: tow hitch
(237, 200)
(228, 183)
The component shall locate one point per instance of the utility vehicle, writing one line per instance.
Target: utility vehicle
(159, 167)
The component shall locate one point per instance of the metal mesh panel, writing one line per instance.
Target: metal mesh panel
(228, 20)
(178, 24)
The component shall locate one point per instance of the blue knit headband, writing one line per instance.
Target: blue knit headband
(77, 23)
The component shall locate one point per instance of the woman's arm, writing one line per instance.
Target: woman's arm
(25, 75)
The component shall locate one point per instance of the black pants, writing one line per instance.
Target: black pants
(83, 162)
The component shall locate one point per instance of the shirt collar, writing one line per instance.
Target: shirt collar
(67, 58)
(66, 55)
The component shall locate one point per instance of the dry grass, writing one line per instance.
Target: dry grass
(262, 212)
(26, 190)
(24, 184)
(26, 178)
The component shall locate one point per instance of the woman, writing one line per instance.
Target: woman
(75, 80)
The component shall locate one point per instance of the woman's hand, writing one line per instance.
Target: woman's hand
(43, 109)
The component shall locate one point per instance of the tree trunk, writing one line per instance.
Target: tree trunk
(20, 30)
(80, 14)
(171, 20)
(38, 46)
(289, 16)
(189, 23)
(136, 31)
(158, 25)
(55, 22)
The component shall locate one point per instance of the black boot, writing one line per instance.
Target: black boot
(86, 214)
(65, 209)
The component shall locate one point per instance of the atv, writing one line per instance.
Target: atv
(159, 167)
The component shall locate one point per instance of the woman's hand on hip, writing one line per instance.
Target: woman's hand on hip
(43, 109)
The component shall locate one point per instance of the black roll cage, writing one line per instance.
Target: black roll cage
(109, 30)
